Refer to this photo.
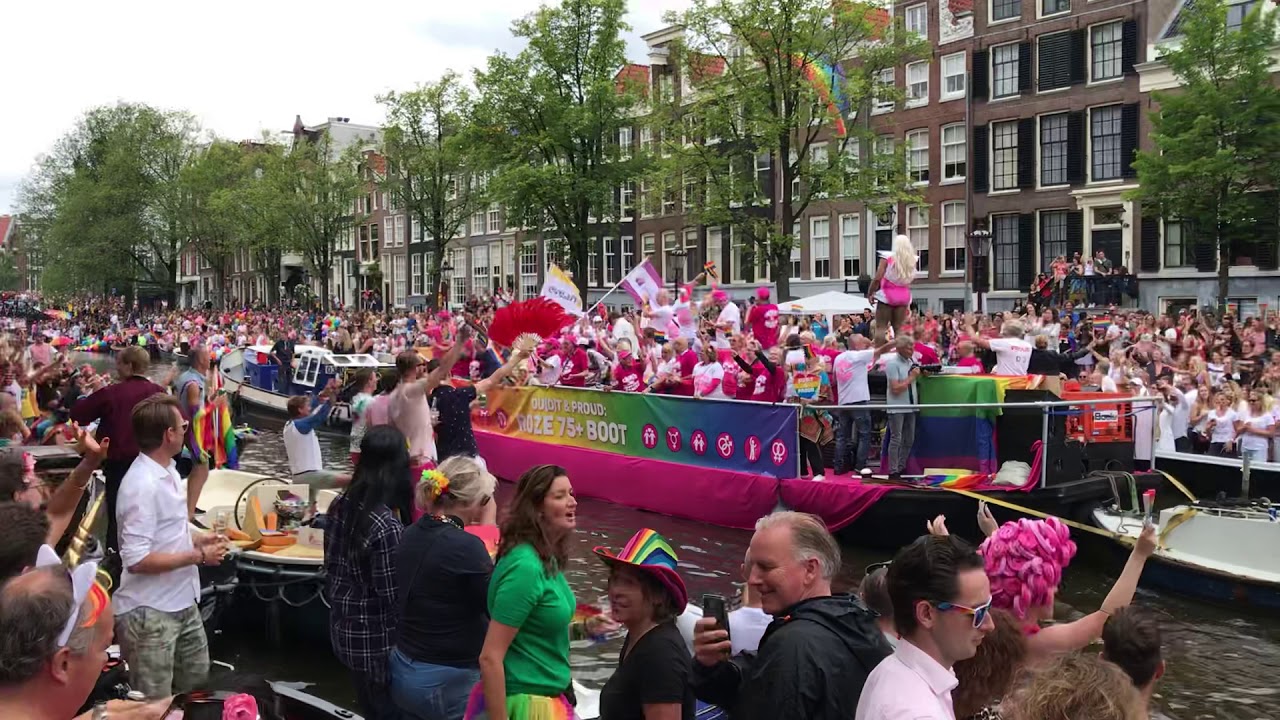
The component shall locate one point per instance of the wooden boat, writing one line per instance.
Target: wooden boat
(1209, 475)
(1212, 550)
(249, 374)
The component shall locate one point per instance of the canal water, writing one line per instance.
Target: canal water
(1222, 662)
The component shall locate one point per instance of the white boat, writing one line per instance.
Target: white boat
(1220, 551)
(249, 373)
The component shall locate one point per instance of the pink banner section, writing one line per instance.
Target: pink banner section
(720, 497)
(837, 501)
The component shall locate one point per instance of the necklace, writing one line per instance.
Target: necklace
(449, 519)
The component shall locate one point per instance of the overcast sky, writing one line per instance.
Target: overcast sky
(240, 66)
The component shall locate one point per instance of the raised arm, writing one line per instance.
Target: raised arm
(487, 384)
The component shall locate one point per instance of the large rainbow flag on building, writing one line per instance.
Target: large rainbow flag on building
(959, 438)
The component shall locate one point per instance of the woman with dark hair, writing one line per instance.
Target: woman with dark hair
(524, 664)
(987, 677)
(360, 543)
(646, 594)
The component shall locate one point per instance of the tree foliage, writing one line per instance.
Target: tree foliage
(1217, 137)
(427, 145)
(548, 121)
(777, 77)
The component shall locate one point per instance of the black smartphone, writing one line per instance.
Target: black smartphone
(713, 606)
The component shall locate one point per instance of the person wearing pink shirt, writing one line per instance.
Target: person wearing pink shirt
(574, 364)
(762, 318)
(687, 360)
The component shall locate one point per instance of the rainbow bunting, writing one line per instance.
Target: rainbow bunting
(828, 81)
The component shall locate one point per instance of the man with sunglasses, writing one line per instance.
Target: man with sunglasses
(158, 621)
(941, 608)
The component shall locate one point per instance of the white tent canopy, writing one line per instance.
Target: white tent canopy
(827, 303)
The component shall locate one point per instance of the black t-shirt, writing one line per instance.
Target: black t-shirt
(442, 573)
(283, 349)
(655, 672)
(453, 434)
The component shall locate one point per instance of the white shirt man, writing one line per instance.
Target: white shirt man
(1012, 355)
(851, 376)
(730, 319)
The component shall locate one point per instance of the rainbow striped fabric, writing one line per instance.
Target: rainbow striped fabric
(648, 548)
(522, 707)
(214, 436)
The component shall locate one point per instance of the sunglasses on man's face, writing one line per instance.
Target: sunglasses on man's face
(979, 613)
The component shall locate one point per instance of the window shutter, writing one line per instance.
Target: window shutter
(1150, 244)
(1128, 139)
(1079, 56)
(1026, 250)
(1206, 253)
(1054, 62)
(981, 160)
(1075, 232)
(1129, 45)
(981, 75)
(1024, 67)
(1027, 153)
(1075, 148)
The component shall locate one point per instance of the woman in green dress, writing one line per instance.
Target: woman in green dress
(524, 665)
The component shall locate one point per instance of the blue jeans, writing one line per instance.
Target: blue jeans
(847, 419)
(430, 692)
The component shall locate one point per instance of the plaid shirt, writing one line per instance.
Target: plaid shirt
(361, 589)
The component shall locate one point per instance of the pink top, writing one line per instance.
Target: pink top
(763, 320)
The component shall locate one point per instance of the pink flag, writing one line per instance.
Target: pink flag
(643, 283)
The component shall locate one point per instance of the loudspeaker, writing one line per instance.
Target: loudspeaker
(1018, 427)
(1108, 456)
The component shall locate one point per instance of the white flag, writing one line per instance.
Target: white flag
(643, 283)
(559, 288)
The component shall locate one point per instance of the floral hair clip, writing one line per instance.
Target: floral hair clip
(438, 481)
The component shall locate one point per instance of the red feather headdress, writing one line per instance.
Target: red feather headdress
(525, 324)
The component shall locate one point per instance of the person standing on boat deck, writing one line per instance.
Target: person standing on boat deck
(302, 445)
(442, 579)
(901, 372)
(941, 608)
(524, 663)
(192, 393)
(158, 622)
(282, 355)
(360, 544)
(366, 383)
(112, 408)
(409, 410)
(816, 654)
(645, 595)
(891, 288)
(850, 370)
(454, 435)
(1013, 353)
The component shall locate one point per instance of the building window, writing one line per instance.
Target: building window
(480, 270)
(1053, 7)
(918, 20)
(509, 265)
(820, 247)
(953, 237)
(917, 83)
(493, 221)
(715, 245)
(388, 232)
(918, 231)
(669, 242)
(399, 231)
(739, 256)
(764, 163)
(1104, 142)
(1004, 155)
(1053, 237)
(797, 262)
(610, 251)
(954, 154)
(691, 253)
(593, 262)
(1053, 150)
(850, 245)
(477, 223)
(1179, 250)
(373, 240)
(398, 279)
(884, 94)
(953, 76)
(918, 155)
(415, 266)
(668, 200)
(1004, 70)
(795, 177)
(458, 278)
(624, 142)
(1106, 50)
(1005, 10)
(628, 253)
(627, 201)
(528, 270)
(647, 245)
(1004, 249)
(1236, 13)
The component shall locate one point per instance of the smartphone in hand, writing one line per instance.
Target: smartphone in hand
(714, 606)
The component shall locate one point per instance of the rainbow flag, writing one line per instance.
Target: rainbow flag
(213, 435)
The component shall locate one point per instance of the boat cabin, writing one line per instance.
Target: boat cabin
(314, 367)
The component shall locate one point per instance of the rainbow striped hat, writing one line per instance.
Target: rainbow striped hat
(650, 552)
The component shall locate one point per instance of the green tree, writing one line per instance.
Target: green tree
(264, 228)
(426, 142)
(316, 185)
(779, 77)
(548, 122)
(9, 277)
(1216, 139)
(211, 221)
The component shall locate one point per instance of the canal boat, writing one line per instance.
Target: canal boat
(1209, 475)
(1221, 551)
(250, 375)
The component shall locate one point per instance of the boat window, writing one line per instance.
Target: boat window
(308, 370)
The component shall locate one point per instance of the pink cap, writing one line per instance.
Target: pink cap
(720, 296)
(762, 293)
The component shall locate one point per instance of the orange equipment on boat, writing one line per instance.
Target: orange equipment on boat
(1100, 423)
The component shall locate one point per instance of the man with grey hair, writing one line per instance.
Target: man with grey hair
(1013, 353)
(900, 373)
(816, 654)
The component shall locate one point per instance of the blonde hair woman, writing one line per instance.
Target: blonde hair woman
(891, 287)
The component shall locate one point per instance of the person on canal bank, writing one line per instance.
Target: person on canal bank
(360, 543)
(646, 594)
(302, 445)
(442, 578)
(158, 622)
(112, 408)
(816, 654)
(524, 664)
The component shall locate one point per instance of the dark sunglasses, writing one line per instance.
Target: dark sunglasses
(979, 613)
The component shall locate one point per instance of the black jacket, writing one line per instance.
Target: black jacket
(813, 660)
(1052, 362)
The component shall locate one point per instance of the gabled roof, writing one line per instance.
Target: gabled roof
(633, 73)
(6, 227)
(702, 66)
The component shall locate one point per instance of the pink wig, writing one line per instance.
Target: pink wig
(1024, 562)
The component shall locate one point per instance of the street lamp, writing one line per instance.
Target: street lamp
(979, 247)
(445, 269)
(677, 277)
